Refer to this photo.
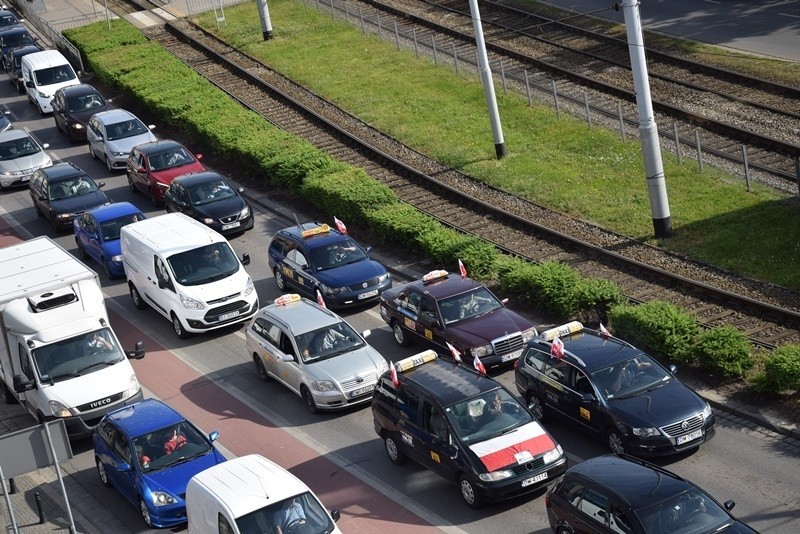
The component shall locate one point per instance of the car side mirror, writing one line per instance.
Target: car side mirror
(46, 145)
(29, 84)
(213, 436)
(287, 357)
(588, 398)
(504, 301)
(198, 157)
(673, 369)
(138, 351)
(151, 126)
(240, 190)
(21, 384)
(101, 184)
(245, 259)
(123, 467)
(368, 249)
(366, 333)
(93, 236)
(729, 505)
(430, 322)
(141, 169)
(336, 515)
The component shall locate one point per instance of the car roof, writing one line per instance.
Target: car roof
(113, 116)
(10, 135)
(586, 348)
(144, 416)
(25, 49)
(301, 315)
(447, 381)
(172, 233)
(200, 177)
(78, 90)
(13, 29)
(151, 147)
(62, 171)
(112, 211)
(442, 285)
(319, 234)
(636, 481)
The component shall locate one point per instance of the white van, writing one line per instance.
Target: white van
(251, 494)
(43, 73)
(187, 272)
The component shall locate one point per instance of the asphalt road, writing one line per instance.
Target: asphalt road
(211, 380)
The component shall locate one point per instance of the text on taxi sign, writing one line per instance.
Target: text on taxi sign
(563, 330)
(416, 360)
(322, 229)
(434, 275)
(283, 300)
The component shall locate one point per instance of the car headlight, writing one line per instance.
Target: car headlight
(707, 411)
(77, 126)
(553, 455)
(119, 154)
(324, 385)
(59, 410)
(646, 432)
(191, 304)
(133, 387)
(333, 290)
(163, 499)
(117, 258)
(245, 212)
(65, 216)
(483, 351)
(494, 476)
(529, 334)
(208, 220)
(249, 287)
(383, 367)
(42, 95)
(382, 278)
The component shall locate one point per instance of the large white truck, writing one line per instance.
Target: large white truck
(59, 356)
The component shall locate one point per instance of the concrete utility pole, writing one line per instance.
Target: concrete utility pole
(488, 83)
(648, 131)
(266, 23)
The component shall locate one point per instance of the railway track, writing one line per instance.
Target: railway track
(769, 315)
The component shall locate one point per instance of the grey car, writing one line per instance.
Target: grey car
(313, 352)
(20, 156)
(112, 134)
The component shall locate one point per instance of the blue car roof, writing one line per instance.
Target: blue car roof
(144, 417)
(112, 211)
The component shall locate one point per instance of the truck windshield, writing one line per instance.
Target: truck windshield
(77, 356)
(204, 265)
(301, 513)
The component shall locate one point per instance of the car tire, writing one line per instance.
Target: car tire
(470, 493)
(399, 335)
(91, 152)
(615, 442)
(101, 472)
(145, 514)
(81, 251)
(178, 328)
(308, 399)
(396, 456)
(131, 186)
(58, 126)
(536, 407)
(261, 371)
(108, 164)
(136, 297)
(279, 281)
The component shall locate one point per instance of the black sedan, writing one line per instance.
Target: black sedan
(13, 61)
(209, 198)
(73, 106)
(64, 191)
(11, 38)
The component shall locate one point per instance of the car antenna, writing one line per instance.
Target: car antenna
(299, 228)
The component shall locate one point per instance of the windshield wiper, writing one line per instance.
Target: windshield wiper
(80, 372)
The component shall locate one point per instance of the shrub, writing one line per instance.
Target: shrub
(594, 297)
(781, 370)
(725, 350)
(553, 288)
(657, 326)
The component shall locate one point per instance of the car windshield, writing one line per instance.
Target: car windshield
(205, 264)
(487, 415)
(125, 129)
(17, 148)
(469, 305)
(11, 41)
(78, 104)
(72, 187)
(77, 356)
(210, 192)
(173, 157)
(630, 377)
(168, 446)
(337, 254)
(8, 20)
(110, 229)
(51, 75)
(302, 514)
(690, 512)
(328, 342)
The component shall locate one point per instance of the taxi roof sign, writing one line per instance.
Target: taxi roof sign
(563, 330)
(435, 275)
(321, 229)
(283, 300)
(416, 360)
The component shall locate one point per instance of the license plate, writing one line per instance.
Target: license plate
(228, 315)
(237, 224)
(680, 440)
(368, 294)
(533, 480)
(511, 356)
(361, 391)
(25, 178)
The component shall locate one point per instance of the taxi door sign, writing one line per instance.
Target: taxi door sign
(287, 271)
(586, 414)
(409, 323)
(428, 334)
(435, 457)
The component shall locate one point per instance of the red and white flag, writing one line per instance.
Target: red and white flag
(557, 348)
(478, 364)
(393, 375)
(454, 352)
(462, 269)
(340, 225)
(603, 331)
(320, 300)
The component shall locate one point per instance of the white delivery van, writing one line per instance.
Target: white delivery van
(43, 73)
(59, 356)
(251, 495)
(187, 272)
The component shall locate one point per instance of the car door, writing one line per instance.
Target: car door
(436, 441)
(59, 111)
(408, 304)
(289, 373)
(137, 172)
(120, 456)
(408, 408)
(94, 135)
(267, 335)
(35, 188)
(294, 267)
(161, 290)
(580, 402)
(551, 383)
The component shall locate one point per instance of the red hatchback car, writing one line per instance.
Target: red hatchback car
(152, 166)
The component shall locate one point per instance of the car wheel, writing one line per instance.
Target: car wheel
(145, 514)
(136, 297)
(261, 371)
(399, 335)
(279, 281)
(91, 152)
(81, 251)
(101, 472)
(469, 493)
(108, 164)
(130, 184)
(615, 442)
(535, 406)
(37, 210)
(177, 327)
(394, 453)
(58, 125)
(308, 400)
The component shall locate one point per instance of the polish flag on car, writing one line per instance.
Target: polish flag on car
(340, 225)
(393, 375)
(557, 348)
(462, 269)
(478, 364)
(454, 352)
(603, 331)
(320, 300)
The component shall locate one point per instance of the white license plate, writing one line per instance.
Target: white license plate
(368, 294)
(237, 224)
(361, 391)
(228, 315)
(25, 178)
(533, 480)
(680, 440)
(511, 356)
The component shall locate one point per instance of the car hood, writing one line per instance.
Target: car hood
(364, 363)
(658, 407)
(91, 387)
(207, 291)
(173, 480)
(517, 447)
(80, 203)
(354, 273)
(221, 208)
(166, 176)
(483, 329)
(126, 144)
(25, 162)
(83, 116)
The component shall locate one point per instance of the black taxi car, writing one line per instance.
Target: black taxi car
(442, 308)
(312, 257)
(623, 494)
(614, 391)
(464, 426)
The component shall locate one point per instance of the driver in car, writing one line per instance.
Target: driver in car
(290, 517)
(98, 343)
(626, 373)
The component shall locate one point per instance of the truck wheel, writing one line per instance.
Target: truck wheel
(399, 335)
(394, 453)
(7, 395)
(136, 297)
(177, 326)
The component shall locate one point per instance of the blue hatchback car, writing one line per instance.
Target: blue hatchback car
(148, 452)
(313, 257)
(97, 234)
